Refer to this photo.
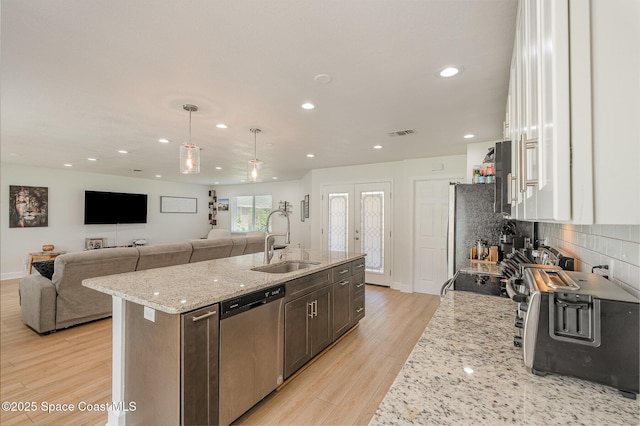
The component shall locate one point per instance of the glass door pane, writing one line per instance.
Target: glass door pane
(338, 226)
(372, 225)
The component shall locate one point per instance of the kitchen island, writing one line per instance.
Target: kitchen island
(165, 329)
(465, 370)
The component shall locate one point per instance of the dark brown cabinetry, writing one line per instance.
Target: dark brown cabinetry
(319, 308)
(341, 306)
(357, 294)
(199, 362)
(172, 365)
(308, 328)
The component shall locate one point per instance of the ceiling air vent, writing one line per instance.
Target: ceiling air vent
(402, 132)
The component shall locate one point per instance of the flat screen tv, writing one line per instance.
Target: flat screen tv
(114, 207)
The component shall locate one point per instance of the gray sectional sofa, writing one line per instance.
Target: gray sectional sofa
(52, 304)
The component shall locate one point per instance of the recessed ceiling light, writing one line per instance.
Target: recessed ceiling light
(311, 155)
(215, 183)
(221, 126)
(449, 72)
(218, 168)
(308, 105)
(163, 140)
(377, 147)
(158, 176)
(92, 159)
(469, 136)
(275, 178)
(122, 151)
(68, 165)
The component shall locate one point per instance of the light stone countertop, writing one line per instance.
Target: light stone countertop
(482, 268)
(474, 332)
(183, 288)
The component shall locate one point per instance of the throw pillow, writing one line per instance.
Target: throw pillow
(45, 267)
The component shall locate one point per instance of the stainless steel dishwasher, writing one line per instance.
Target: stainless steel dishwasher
(251, 350)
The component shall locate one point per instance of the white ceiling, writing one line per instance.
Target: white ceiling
(87, 78)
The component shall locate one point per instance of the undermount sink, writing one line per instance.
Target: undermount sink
(284, 267)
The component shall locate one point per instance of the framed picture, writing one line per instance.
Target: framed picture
(95, 243)
(178, 205)
(223, 204)
(28, 206)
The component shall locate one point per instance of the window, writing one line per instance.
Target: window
(250, 212)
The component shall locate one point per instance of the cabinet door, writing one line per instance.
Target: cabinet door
(358, 297)
(554, 189)
(516, 88)
(321, 325)
(200, 366)
(297, 344)
(341, 307)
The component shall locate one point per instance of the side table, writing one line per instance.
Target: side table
(42, 255)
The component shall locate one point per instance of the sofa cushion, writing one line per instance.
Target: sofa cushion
(210, 249)
(44, 267)
(161, 255)
(255, 243)
(219, 233)
(75, 303)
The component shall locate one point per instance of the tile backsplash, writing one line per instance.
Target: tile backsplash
(617, 246)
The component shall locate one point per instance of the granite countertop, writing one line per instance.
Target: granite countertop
(481, 268)
(465, 370)
(183, 288)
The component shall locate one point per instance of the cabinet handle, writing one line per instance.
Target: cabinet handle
(521, 179)
(344, 271)
(509, 182)
(315, 308)
(207, 315)
(523, 147)
(360, 266)
(344, 282)
(360, 285)
(310, 309)
(359, 310)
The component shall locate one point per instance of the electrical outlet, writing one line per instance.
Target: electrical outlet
(149, 314)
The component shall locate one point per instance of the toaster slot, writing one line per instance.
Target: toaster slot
(574, 318)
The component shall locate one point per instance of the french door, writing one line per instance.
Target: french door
(357, 219)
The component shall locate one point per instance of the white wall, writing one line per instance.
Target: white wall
(66, 228)
(475, 155)
(290, 191)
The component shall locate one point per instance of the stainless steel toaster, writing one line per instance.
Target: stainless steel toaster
(581, 325)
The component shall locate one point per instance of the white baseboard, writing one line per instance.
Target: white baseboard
(12, 275)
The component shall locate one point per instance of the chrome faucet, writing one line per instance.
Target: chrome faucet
(269, 237)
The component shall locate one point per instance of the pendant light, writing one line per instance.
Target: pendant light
(254, 165)
(189, 152)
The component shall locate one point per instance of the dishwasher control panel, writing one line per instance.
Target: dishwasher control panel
(252, 300)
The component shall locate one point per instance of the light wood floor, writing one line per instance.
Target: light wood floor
(344, 386)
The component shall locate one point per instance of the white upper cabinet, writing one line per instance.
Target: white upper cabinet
(574, 103)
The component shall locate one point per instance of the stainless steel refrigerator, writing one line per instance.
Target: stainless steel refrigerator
(472, 217)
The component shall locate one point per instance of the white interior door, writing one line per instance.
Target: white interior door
(358, 219)
(431, 214)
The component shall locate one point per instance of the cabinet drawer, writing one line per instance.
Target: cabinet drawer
(357, 283)
(357, 266)
(338, 273)
(305, 285)
(358, 309)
